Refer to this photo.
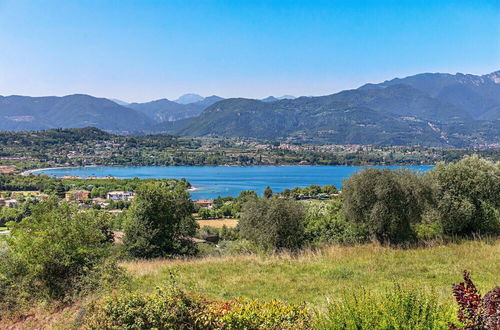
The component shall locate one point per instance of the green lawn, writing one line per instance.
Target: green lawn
(3, 228)
(316, 276)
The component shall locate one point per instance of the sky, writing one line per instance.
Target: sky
(143, 50)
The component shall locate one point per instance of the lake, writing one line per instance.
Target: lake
(214, 181)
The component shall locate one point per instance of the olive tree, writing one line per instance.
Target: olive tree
(467, 195)
(388, 202)
(159, 221)
(274, 223)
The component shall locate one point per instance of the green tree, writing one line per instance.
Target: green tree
(329, 189)
(204, 213)
(468, 196)
(158, 222)
(51, 253)
(273, 223)
(268, 193)
(59, 190)
(388, 202)
(8, 214)
(324, 223)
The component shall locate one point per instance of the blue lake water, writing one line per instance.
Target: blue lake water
(214, 181)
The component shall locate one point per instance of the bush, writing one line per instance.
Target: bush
(165, 309)
(8, 214)
(158, 222)
(274, 223)
(390, 203)
(255, 314)
(324, 223)
(398, 309)
(225, 233)
(171, 308)
(474, 311)
(467, 196)
(54, 252)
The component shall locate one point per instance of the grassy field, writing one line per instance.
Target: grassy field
(317, 276)
(218, 223)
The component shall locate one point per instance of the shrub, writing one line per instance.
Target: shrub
(157, 222)
(274, 223)
(390, 203)
(52, 253)
(171, 308)
(8, 214)
(255, 314)
(324, 223)
(165, 309)
(397, 309)
(475, 312)
(225, 233)
(466, 193)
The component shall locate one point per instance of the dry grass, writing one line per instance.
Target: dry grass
(62, 318)
(218, 223)
(313, 276)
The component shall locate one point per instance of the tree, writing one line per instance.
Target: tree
(52, 252)
(388, 202)
(268, 193)
(329, 189)
(204, 213)
(8, 214)
(324, 223)
(158, 222)
(59, 190)
(273, 223)
(467, 196)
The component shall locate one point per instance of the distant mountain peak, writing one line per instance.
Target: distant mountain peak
(189, 98)
(274, 98)
(286, 97)
(494, 76)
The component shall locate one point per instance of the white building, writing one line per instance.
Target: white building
(120, 195)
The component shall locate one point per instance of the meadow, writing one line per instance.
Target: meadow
(316, 276)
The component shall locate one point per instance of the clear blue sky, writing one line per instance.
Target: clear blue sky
(143, 50)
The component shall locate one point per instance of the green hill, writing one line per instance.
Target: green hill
(72, 111)
(322, 119)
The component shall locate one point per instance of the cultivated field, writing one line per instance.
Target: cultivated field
(218, 223)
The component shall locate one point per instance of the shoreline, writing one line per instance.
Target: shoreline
(34, 171)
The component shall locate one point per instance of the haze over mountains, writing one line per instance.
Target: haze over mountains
(431, 109)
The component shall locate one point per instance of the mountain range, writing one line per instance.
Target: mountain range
(37, 113)
(164, 110)
(432, 109)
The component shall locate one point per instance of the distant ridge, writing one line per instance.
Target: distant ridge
(71, 111)
(475, 94)
(120, 102)
(273, 99)
(165, 110)
(430, 109)
(189, 98)
(426, 109)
